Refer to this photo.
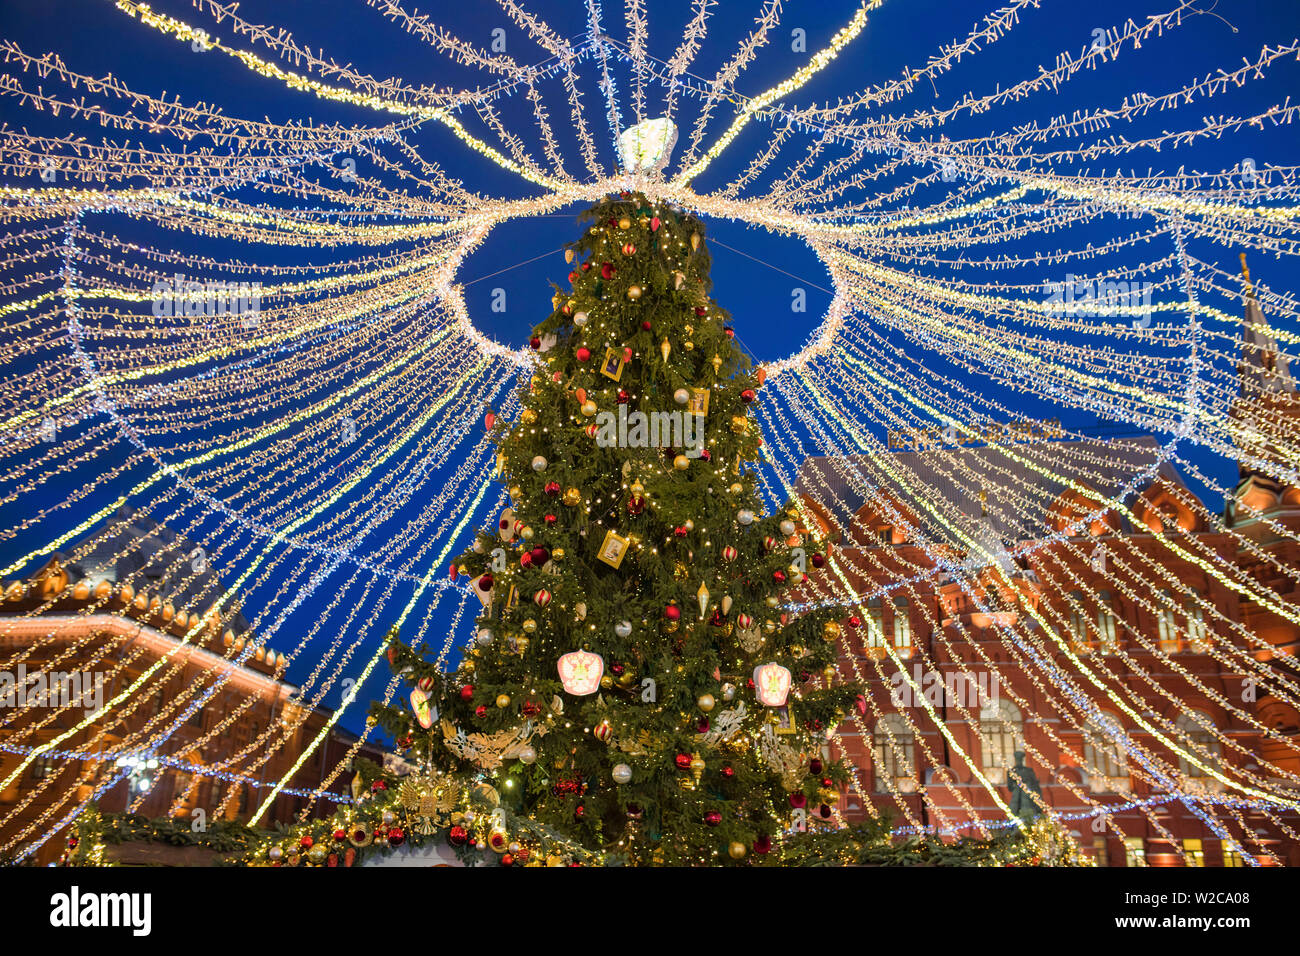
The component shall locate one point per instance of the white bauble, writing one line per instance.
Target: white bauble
(681, 396)
(527, 754)
(621, 773)
(539, 463)
(623, 628)
(745, 516)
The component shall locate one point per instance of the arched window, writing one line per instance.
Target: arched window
(1167, 625)
(1106, 623)
(892, 743)
(1197, 728)
(1001, 734)
(875, 641)
(1080, 637)
(1107, 763)
(902, 627)
(1198, 632)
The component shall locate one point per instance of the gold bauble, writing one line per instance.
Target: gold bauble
(589, 408)
(739, 424)
(736, 850)
(695, 240)
(528, 416)
(772, 601)
(697, 765)
(829, 672)
(557, 554)
(572, 497)
(634, 292)
(607, 682)
(637, 489)
(769, 626)
(737, 488)
(516, 491)
(530, 626)
(625, 223)
(503, 701)
(831, 630)
(521, 644)
(681, 463)
(706, 702)
(526, 533)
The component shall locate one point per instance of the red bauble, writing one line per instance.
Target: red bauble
(814, 766)
(467, 692)
(646, 325)
(713, 818)
(825, 811)
(550, 519)
(623, 396)
(855, 621)
(377, 786)
(748, 395)
(485, 582)
(681, 532)
(480, 711)
(507, 859)
(672, 612)
(552, 488)
(702, 725)
(540, 555)
(635, 505)
(701, 310)
(727, 771)
(607, 270)
(583, 354)
(525, 560)
(531, 708)
(827, 782)
(763, 844)
(729, 331)
(819, 560)
(616, 669)
(778, 576)
(396, 837)
(535, 343)
(704, 454)
(579, 812)
(586, 266)
(457, 836)
(798, 800)
(683, 761)
(340, 834)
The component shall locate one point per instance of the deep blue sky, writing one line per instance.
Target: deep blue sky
(93, 37)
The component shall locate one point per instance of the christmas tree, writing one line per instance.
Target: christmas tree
(634, 590)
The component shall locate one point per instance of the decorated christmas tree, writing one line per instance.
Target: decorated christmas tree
(636, 682)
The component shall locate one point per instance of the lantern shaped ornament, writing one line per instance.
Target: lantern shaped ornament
(581, 671)
(772, 684)
(646, 146)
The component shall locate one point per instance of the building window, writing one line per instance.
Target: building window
(892, 743)
(1197, 729)
(1080, 639)
(1167, 625)
(43, 767)
(1100, 851)
(1107, 764)
(1000, 736)
(1106, 624)
(1135, 852)
(1193, 852)
(885, 535)
(1198, 633)
(902, 627)
(1231, 856)
(875, 628)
